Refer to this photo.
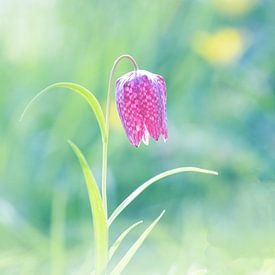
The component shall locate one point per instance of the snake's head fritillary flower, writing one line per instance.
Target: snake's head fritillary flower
(141, 104)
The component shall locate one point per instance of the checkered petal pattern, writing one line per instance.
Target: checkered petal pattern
(141, 104)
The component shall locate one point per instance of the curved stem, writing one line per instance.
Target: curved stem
(109, 95)
(107, 124)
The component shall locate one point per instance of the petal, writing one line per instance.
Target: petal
(151, 103)
(146, 136)
(129, 109)
(162, 91)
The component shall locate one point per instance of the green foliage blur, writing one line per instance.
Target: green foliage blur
(217, 57)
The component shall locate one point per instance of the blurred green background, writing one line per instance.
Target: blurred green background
(218, 60)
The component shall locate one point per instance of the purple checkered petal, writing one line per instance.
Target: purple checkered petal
(141, 103)
(162, 89)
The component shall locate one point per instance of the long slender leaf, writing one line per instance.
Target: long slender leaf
(146, 184)
(99, 218)
(117, 243)
(133, 249)
(85, 93)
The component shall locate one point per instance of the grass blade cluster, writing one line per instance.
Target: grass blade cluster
(99, 218)
(133, 249)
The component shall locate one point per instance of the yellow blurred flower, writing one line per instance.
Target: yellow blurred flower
(234, 7)
(223, 47)
(114, 118)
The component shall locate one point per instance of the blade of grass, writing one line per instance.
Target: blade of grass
(85, 93)
(57, 241)
(99, 218)
(119, 240)
(133, 249)
(146, 184)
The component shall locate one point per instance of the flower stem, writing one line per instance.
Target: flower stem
(107, 123)
(104, 176)
(109, 95)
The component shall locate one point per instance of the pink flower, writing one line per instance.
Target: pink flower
(141, 104)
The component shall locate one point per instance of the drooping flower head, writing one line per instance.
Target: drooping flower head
(141, 104)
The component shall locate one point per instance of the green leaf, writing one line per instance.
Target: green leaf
(99, 218)
(117, 243)
(133, 249)
(146, 184)
(86, 94)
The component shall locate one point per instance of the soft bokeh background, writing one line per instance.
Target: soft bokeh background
(218, 60)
